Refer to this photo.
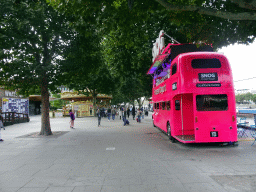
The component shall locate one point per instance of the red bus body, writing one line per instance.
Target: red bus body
(195, 96)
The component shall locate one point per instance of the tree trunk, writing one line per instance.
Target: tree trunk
(94, 95)
(45, 120)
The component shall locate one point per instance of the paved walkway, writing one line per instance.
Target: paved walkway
(113, 157)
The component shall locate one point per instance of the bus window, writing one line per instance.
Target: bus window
(163, 106)
(174, 68)
(168, 106)
(157, 106)
(177, 104)
(211, 102)
(206, 63)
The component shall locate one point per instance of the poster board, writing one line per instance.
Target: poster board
(15, 105)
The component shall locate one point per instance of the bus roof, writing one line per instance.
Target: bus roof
(173, 50)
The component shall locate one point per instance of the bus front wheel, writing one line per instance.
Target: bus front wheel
(169, 133)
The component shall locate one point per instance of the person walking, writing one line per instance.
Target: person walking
(109, 113)
(1, 122)
(113, 112)
(146, 112)
(99, 116)
(133, 112)
(72, 119)
(139, 115)
(124, 116)
(102, 112)
(128, 112)
(121, 113)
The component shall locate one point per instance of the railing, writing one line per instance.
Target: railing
(10, 118)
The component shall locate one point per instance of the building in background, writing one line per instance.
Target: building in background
(83, 104)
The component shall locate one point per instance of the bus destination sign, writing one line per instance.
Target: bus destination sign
(208, 85)
(208, 76)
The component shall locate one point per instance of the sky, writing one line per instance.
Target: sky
(242, 59)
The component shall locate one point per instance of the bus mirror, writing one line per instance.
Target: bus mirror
(177, 105)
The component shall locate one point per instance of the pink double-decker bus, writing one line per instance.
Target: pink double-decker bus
(193, 95)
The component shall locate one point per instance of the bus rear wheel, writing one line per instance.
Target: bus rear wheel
(169, 134)
(153, 121)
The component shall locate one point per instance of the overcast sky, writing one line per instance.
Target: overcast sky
(242, 59)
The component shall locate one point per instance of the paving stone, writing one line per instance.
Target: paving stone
(143, 159)
(32, 189)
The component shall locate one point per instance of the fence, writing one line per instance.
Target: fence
(10, 118)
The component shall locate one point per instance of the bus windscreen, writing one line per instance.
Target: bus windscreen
(206, 63)
(211, 102)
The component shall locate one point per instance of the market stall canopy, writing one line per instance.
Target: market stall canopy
(75, 96)
(39, 98)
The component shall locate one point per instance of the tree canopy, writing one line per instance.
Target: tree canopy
(231, 9)
(106, 45)
(33, 37)
(129, 28)
(219, 23)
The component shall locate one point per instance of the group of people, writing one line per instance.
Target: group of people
(123, 113)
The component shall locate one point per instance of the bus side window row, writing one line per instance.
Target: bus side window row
(163, 105)
(173, 71)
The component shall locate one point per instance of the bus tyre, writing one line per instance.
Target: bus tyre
(153, 123)
(235, 144)
(169, 133)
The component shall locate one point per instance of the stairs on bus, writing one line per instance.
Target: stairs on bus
(185, 137)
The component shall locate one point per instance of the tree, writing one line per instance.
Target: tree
(219, 23)
(130, 27)
(241, 9)
(34, 36)
(129, 64)
(89, 73)
(58, 103)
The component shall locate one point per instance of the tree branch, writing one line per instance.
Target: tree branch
(212, 12)
(245, 4)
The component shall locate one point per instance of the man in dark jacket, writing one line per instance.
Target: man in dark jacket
(133, 112)
(128, 112)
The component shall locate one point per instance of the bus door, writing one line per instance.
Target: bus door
(177, 116)
(184, 117)
(187, 114)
